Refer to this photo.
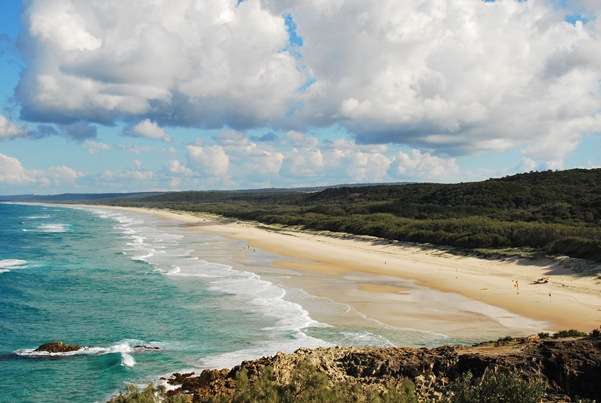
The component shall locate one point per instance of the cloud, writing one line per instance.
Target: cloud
(124, 176)
(335, 161)
(12, 172)
(453, 76)
(368, 166)
(267, 137)
(303, 163)
(78, 131)
(135, 149)
(210, 160)
(250, 161)
(299, 157)
(149, 130)
(527, 165)
(445, 77)
(232, 138)
(176, 167)
(188, 63)
(59, 175)
(299, 139)
(590, 7)
(9, 130)
(422, 165)
(94, 147)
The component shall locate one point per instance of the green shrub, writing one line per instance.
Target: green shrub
(504, 340)
(496, 388)
(569, 333)
(576, 247)
(150, 394)
(309, 384)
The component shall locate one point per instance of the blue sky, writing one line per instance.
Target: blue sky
(265, 94)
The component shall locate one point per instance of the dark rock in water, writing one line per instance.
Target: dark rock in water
(58, 347)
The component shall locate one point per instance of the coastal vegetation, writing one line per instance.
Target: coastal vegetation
(496, 388)
(309, 385)
(552, 212)
(312, 386)
(564, 367)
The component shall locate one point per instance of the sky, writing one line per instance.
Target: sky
(145, 95)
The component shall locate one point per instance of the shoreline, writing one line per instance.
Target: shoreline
(568, 300)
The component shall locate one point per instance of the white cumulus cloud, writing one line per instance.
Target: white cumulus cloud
(457, 76)
(12, 172)
(9, 130)
(176, 167)
(150, 130)
(186, 62)
(447, 77)
(423, 165)
(210, 160)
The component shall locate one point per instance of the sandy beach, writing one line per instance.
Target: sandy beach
(378, 278)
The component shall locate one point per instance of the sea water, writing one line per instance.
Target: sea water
(111, 282)
(144, 297)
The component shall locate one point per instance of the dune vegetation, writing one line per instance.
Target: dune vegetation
(553, 212)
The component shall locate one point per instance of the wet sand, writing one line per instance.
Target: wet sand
(385, 284)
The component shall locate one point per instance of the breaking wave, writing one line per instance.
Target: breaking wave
(125, 348)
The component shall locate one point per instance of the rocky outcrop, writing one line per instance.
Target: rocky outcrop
(570, 367)
(58, 347)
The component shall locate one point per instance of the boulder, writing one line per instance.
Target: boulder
(58, 347)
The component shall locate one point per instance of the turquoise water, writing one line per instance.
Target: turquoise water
(111, 282)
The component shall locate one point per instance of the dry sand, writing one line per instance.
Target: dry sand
(568, 300)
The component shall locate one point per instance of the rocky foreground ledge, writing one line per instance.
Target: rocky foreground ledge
(564, 367)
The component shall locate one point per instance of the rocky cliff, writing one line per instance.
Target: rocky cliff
(569, 368)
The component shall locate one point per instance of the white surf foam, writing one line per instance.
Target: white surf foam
(125, 348)
(127, 360)
(50, 228)
(136, 245)
(7, 265)
(169, 251)
(267, 297)
(363, 338)
(231, 359)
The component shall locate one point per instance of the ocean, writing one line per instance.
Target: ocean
(114, 281)
(146, 297)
